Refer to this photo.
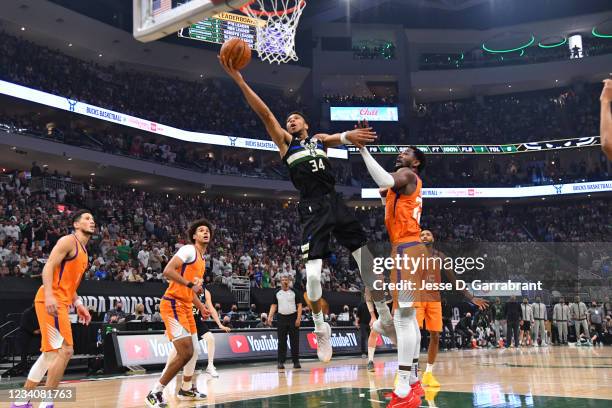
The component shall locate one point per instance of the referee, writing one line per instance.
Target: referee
(289, 306)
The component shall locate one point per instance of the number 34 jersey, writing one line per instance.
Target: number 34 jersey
(309, 168)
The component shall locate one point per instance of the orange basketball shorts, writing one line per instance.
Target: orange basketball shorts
(431, 314)
(178, 318)
(54, 331)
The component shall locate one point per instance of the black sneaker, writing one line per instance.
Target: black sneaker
(155, 400)
(281, 366)
(371, 366)
(297, 365)
(192, 394)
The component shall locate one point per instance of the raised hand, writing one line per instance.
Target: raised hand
(361, 135)
(606, 92)
(229, 68)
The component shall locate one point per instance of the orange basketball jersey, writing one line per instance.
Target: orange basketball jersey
(193, 270)
(67, 276)
(403, 215)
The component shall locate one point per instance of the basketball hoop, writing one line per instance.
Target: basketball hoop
(276, 38)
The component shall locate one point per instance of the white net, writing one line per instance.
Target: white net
(276, 39)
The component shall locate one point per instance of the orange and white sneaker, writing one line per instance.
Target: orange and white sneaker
(430, 381)
(409, 401)
(417, 388)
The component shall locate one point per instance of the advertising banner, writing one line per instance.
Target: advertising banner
(372, 114)
(152, 347)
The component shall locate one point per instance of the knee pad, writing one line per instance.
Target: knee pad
(313, 279)
(40, 367)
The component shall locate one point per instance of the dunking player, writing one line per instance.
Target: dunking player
(402, 192)
(322, 212)
(431, 311)
(61, 277)
(176, 310)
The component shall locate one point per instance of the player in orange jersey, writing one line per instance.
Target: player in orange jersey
(606, 119)
(61, 277)
(185, 271)
(403, 201)
(430, 311)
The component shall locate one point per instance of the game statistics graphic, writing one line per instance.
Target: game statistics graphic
(576, 142)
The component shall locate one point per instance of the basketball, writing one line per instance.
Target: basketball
(237, 51)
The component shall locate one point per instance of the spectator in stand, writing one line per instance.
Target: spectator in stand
(138, 315)
(263, 323)
(156, 317)
(116, 315)
(345, 315)
(233, 314)
(227, 322)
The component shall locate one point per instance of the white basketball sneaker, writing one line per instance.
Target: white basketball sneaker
(385, 329)
(324, 347)
(212, 371)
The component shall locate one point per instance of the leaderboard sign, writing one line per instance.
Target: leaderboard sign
(487, 149)
(372, 114)
(222, 27)
(152, 347)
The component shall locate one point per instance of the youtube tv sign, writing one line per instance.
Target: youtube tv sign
(152, 347)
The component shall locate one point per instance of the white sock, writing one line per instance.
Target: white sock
(371, 351)
(403, 320)
(158, 387)
(45, 404)
(384, 315)
(186, 386)
(402, 388)
(429, 368)
(318, 320)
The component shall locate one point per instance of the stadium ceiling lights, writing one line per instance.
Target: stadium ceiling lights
(520, 48)
(559, 44)
(596, 34)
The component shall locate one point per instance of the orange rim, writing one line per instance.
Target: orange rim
(277, 13)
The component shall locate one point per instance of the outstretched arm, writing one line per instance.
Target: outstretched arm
(358, 136)
(605, 126)
(400, 179)
(279, 135)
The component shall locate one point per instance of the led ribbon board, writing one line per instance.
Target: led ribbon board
(506, 192)
(487, 149)
(71, 105)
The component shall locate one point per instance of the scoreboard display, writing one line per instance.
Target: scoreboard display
(576, 142)
(222, 27)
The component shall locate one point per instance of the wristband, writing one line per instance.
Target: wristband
(344, 139)
(78, 303)
(190, 285)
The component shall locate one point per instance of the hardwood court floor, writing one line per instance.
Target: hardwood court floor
(551, 377)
